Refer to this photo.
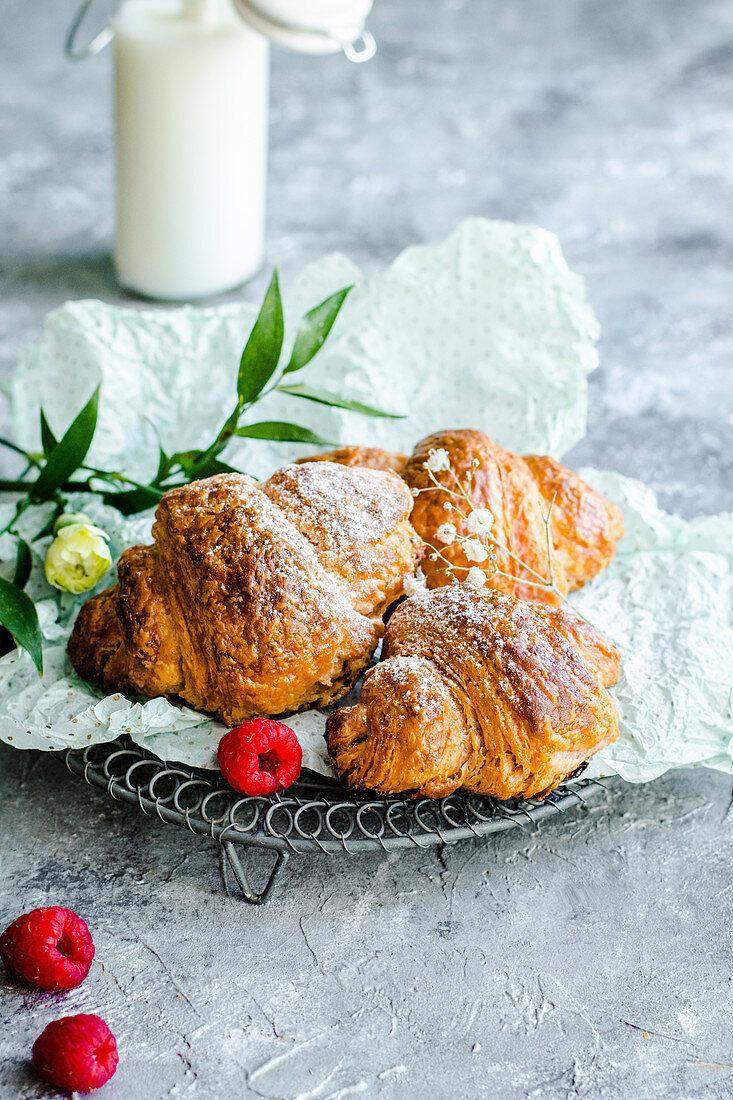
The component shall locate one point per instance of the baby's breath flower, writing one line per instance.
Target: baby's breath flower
(476, 577)
(475, 550)
(415, 586)
(448, 507)
(480, 521)
(437, 460)
(78, 557)
(446, 533)
(415, 492)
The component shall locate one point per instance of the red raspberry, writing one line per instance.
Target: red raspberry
(260, 757)
(78, 1053)
(50, 948)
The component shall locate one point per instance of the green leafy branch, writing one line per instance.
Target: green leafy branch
(62, 465)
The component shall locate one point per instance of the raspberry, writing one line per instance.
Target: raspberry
(78, 1053)
(260, 757)
(50, 948)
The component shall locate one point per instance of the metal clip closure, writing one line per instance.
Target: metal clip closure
(359, 49)
(97, 44)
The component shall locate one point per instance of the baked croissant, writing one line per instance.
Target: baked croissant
(521, 493)
(254, 599)
(481, 691)
(373, 457)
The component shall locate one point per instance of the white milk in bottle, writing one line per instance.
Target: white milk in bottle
(191, 100)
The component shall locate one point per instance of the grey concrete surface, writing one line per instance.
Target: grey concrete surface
(593, 959)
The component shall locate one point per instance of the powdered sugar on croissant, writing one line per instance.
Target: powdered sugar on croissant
(254, 599)
(481, 691)
(552, 531)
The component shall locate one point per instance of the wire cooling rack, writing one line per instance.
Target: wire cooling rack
(314, 815)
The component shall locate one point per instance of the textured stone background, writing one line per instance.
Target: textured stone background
(527, 967)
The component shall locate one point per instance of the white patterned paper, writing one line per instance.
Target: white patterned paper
(488, 330)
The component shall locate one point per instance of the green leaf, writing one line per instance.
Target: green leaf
(22, 564)
(326, 397)
(282, 432)
(130, 501)
(209, 466)
(68, 455)
(186, 460)
(262, 352)
(48, 439)
(18, 615)
(165, 465)
(198, 464)
(313, 330)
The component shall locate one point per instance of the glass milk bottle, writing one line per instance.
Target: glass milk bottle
(191, 108)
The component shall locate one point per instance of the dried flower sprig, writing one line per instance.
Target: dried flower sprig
(62, 467)
(480, 545)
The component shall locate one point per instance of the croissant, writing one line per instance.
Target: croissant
(373, 457)
(481, 691)
(254, 599)
(550, 526)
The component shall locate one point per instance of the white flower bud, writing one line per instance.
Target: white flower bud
(68, 518)
(475, 550)
(437, 460)
(446, 533)
(476, 577)
(415, 586)
(480, 521)
(78, 557)
(448, 507)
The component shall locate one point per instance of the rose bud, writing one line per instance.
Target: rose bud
(78, 557)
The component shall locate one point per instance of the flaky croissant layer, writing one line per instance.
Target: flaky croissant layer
(480, 691)
(552, 532)
(254, 599)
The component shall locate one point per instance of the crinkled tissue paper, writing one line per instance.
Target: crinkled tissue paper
(490, 330)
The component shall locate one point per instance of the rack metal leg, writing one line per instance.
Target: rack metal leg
(228, 854)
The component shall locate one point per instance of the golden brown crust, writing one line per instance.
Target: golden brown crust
(373, 457)
(584, 527)
(357, 523)
(428, 753)
(520, 493)
(481, 691)
(103, 626)
(234, 610)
